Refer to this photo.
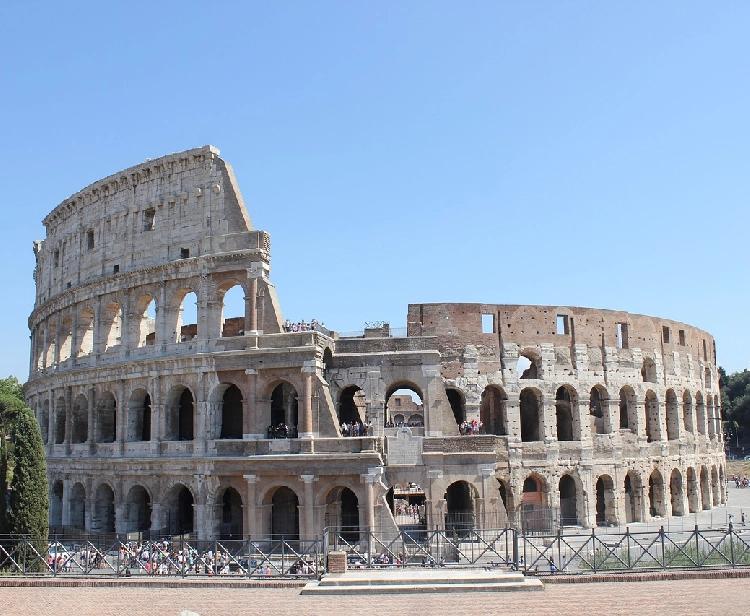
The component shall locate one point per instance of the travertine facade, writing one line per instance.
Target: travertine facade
(587, 416)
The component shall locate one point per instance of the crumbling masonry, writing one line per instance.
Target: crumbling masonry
(588, 417)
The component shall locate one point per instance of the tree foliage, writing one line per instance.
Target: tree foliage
(735, 401)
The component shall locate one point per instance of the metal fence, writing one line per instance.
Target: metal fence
(542, 554)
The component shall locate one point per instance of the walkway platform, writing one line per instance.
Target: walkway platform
(394, 581)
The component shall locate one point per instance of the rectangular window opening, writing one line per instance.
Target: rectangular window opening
(682, 337)
(148, 219)
(705, 352)
(89, 240)
(622, 335)
(563, 325)
(56, 258)
(184, 253)
(116, 269)
(488, 323)
(665, 334)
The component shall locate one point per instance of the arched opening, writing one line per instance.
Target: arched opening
(458, 404)
(285, 514)
(85, 332)
(710, 417)
(700, 413)
(79, 417)
(78, 507)
(715, 486)
(459, 517)
(103, 519)
(568, 501)
(138, 510)
(402, 398)
(233, 312)
(707, 378)
(139, 416)
(179, 511)
(342, 513)
(656, 494)
(675, 493)
(718, 419)
(44, 421)
(107, 413)
(564, 414)
(693, 491)
(528, 366)
(627, 409)
(231, 515)
(492, 411)
(145, 311)
(653, 425)
(187, 317)
(597, 398)
(632, 498)
(231, 413)
(648, 371)
(56, 506)
(66, 338)
(112, 326)
(49, 359)
(416, 420)
(535, 515)
(351, 407)
(687, 413)
(673, 416)
(407, 502)
(284, 412)
(605, 501)
(60, 421)
(529, 410)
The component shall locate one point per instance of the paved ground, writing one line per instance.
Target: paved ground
(679, 597)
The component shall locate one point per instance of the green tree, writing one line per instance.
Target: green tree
(735, 402)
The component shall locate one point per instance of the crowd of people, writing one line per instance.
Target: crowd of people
(301, 326)
(356, 428)
(402, 424)
(468, 428)
(282, 431)
(741, 482)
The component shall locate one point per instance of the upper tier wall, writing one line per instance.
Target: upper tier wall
(181, 205)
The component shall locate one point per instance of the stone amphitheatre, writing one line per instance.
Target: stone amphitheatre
(230, 426)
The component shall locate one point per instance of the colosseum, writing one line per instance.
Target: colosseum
(243, 425)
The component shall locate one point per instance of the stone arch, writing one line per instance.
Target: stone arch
(51, 350)
(534, 504)
(676, 494)
(653, 423)
(688, 420)
(103, 518)
(566, 401)
(493, 410)
(673, 416)
(79, 416)
(144, 321)
(530, 403)
(457, 401)
(232, 518)
(605, 501)
(66, 338)
(416, 420)
(700, 414)
(179, 516)
(284, 411)
(284, 513)
(231, 412)
(459, 506)
(598, 406)
(182, 316)
(627, 409)
(78, 506)
(232, 294)
(656, 502)
(56, 505)
(398, 390)
(711, 421)
(139, 416)
(85, 332)
(60, 414)
(106, 405)
(568, 500)
(180, 414)
(342, 512)
(633, 489)
(352, 405)
(111, 326)
(693, 491)
(138, 508)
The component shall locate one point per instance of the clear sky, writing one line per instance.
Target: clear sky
(563, 153)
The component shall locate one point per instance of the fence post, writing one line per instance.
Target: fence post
(730, 532)
(663, 556)
(515, 549)
(593, 543)
(627, 539)
(697, 547)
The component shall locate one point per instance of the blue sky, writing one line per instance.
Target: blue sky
(585, 154)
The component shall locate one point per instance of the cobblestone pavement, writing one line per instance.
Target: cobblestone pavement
(676, 597)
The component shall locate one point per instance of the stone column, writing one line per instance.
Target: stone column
(121, 410)
(435, 519)
(305, 428)
(253, 426)
(309, 509)
(199, 517)
(513, 415)
(640, 417)
(251, 309)
(583, 415)
(92, 417)
(251, 521)
(485, 473)
(67, 486)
